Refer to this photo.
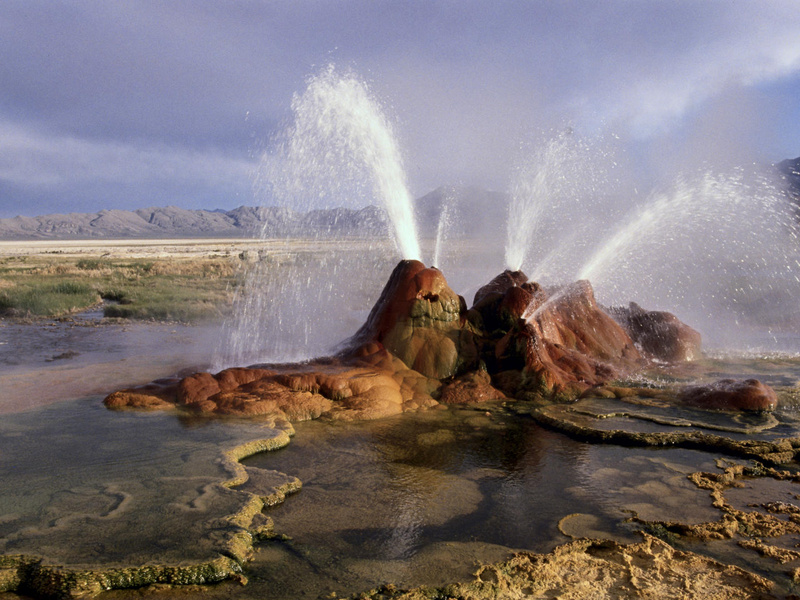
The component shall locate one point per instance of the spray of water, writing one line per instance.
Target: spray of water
(443, 226)
(713, 247)
(554, 186)
(305, 294)
(342, 148)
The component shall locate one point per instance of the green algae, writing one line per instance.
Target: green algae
(227, 524)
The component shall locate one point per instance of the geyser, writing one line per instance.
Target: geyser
(558, 178)
(342, 147)
(718, 248)
(339, 150)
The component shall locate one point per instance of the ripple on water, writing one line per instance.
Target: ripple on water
(375, 504)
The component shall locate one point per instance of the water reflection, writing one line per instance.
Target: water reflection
(85, 486)
(395, 500)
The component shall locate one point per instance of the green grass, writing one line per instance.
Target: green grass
(167, 299)
(169, 289)
(50, 299)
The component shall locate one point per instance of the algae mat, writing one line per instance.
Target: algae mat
(418, 500)
(95, 500)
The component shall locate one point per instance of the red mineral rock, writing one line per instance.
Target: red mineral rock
(420, 344)
(730, 394)
(566, 345)
(419, 319)
(660, 335)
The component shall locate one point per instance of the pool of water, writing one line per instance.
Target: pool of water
(52, 361)
(421, 499)
(415, 499)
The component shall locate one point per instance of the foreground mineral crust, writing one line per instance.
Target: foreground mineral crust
(600, 569)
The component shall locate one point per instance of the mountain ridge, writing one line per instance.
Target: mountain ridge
(460, 203)
(172, 221)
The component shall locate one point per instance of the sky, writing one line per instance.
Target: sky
(138, 103)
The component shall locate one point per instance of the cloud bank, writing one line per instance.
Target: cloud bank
(106, 105)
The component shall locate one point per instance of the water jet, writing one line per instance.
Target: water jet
(339, 149)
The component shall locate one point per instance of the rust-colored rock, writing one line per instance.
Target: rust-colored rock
(567, 344)
(421, 345)
(418, 319)
(660, 335)
(730, 394)
(475, 386)
(157, 395)
(500, 285)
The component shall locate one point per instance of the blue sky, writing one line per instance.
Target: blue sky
(151, 103)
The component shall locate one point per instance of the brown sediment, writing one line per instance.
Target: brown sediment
(233, 539)
(599, 569)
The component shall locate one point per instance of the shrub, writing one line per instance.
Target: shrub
(90, 264)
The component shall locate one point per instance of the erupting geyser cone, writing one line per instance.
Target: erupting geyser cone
(559, 177)
(339, 151)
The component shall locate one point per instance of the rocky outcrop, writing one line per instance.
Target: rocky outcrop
(660, 335)
(420, 346)
(539, 343)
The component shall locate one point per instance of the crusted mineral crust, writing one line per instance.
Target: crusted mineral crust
(770, 520)
(600, 569)
(586, 425)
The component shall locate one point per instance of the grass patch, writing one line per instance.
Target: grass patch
(47, 299)
(187, 290)
(89, 264)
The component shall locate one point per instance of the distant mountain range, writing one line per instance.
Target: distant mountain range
(461, 203)
(248, 221)
(173, 222)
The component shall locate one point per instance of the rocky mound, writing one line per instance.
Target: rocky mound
(421, 346)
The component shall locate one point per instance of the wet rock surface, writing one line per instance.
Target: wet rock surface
(421, 346)
(730, 394)
(600, 569)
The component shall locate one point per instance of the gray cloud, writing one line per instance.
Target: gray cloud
(113, 103)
